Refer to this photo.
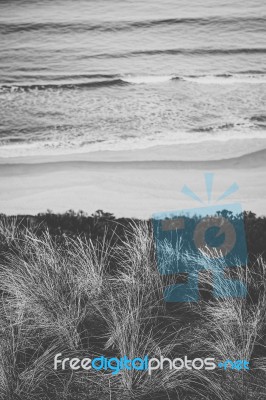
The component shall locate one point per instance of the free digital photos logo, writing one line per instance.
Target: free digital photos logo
(210, 238)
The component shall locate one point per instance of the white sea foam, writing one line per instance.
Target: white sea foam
(53, 148)
(226, 80)
(146, 79)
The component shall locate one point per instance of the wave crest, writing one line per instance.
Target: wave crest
(120, 80)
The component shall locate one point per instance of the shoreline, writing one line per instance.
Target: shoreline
(251, 160)
(201, 151)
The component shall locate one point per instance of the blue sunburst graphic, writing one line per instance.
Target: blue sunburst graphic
(209, 177)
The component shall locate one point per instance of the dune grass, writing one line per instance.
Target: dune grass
(63, 295)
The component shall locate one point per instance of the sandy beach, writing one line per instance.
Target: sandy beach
(134, 184)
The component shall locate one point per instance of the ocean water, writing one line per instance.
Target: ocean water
(86, 75)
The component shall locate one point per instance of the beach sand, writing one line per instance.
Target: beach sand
(134, 183)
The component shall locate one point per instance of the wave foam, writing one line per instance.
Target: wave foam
(53, 148)
(146, 79)
(119, 80)
(226, 79)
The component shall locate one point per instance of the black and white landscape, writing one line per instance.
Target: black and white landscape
(111, 107)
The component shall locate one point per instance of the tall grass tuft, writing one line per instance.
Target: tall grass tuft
(82, 298)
